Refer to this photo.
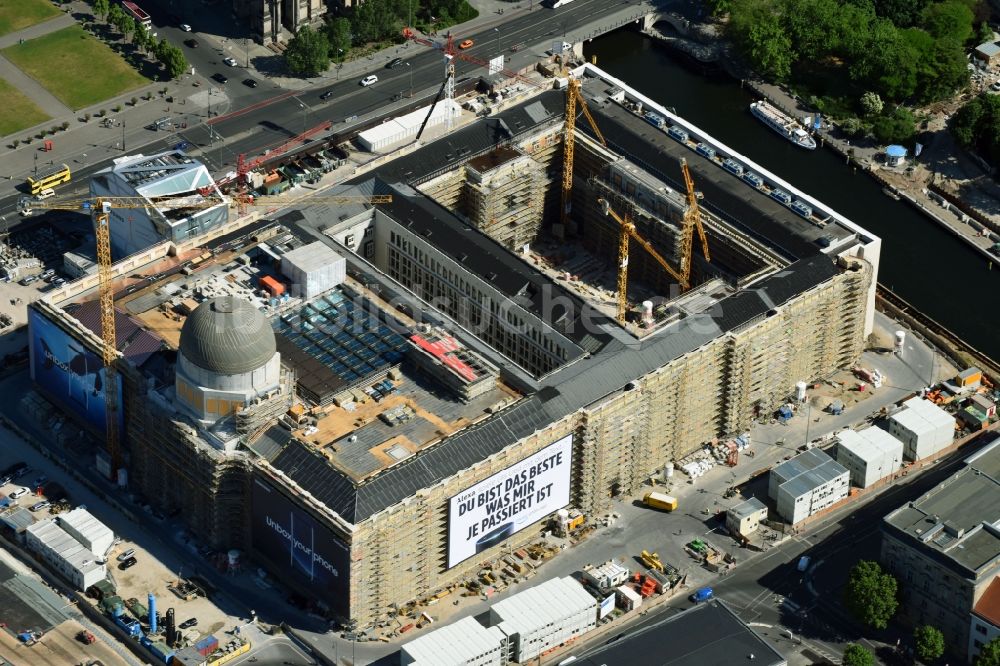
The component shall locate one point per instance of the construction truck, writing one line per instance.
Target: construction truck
(660, 501)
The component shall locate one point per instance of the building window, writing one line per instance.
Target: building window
(978, 644)
(981, 629)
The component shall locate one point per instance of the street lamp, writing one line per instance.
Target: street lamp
(410, 70)
(246, 46)
(305, 110)
(123, 136)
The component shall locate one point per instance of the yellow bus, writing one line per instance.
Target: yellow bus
(48, 180)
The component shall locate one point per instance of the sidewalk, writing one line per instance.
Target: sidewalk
(909, 183)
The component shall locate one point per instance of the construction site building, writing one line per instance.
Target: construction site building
(504, 196)
(374, 463)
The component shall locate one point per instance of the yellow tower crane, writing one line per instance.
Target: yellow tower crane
(692, 221)
(100, 209)
(626, 231)
(572, 97)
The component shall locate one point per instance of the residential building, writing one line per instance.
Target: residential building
(985, 619)
(944, 547)
(870, 455)
(923, 427)
(807, 484)
(744, 518)
(988, 53)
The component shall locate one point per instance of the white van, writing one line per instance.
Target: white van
(369, 80)
(45, 194)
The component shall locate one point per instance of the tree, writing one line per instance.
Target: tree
(903, 13)
(852, 127)
(761, 34)
(898, 127)
(142, 37)
(984, 33)
(338, 35)
(951, 19)
(989, 654)
(308, 52)
(128, 27)
(101, 8)
(855, 655)
(929, 642)
(115, 15)
(871, 592)
(173, 60)
(871, 104)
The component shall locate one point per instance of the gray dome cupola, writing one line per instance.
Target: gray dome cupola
(227, 336)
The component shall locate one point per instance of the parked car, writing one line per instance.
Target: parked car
(230, 61)
(38, 506)
(995, 86)
(185, 27)
(394, 63)
(18, 492)
(187, 624)
(25, 281)
(369, 80)
(249, 83)
(127, 554)
(128, 564)
(221, 78)
(191, 43)
(327, 95)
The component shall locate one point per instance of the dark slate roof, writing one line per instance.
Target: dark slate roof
(135, 342)
(754, 213)
(566, 390)
(484, 257)
(709, 634)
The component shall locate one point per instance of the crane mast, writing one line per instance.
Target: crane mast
(109, 350)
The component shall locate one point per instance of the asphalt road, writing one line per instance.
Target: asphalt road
(272, 123)
(253, 124)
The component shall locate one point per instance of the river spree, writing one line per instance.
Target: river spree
(921, 262)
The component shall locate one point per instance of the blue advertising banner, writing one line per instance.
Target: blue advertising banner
(298, 548)
(69, 374)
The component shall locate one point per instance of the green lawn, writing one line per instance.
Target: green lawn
(19, 14)
(19, 111)
(75, 66)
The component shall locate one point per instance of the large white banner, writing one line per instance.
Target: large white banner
(494, 509)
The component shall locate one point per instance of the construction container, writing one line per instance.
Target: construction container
(660, 501)
(207, 645)
(273, 286)
(969, 377)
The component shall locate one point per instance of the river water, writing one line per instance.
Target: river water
(923, 263)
